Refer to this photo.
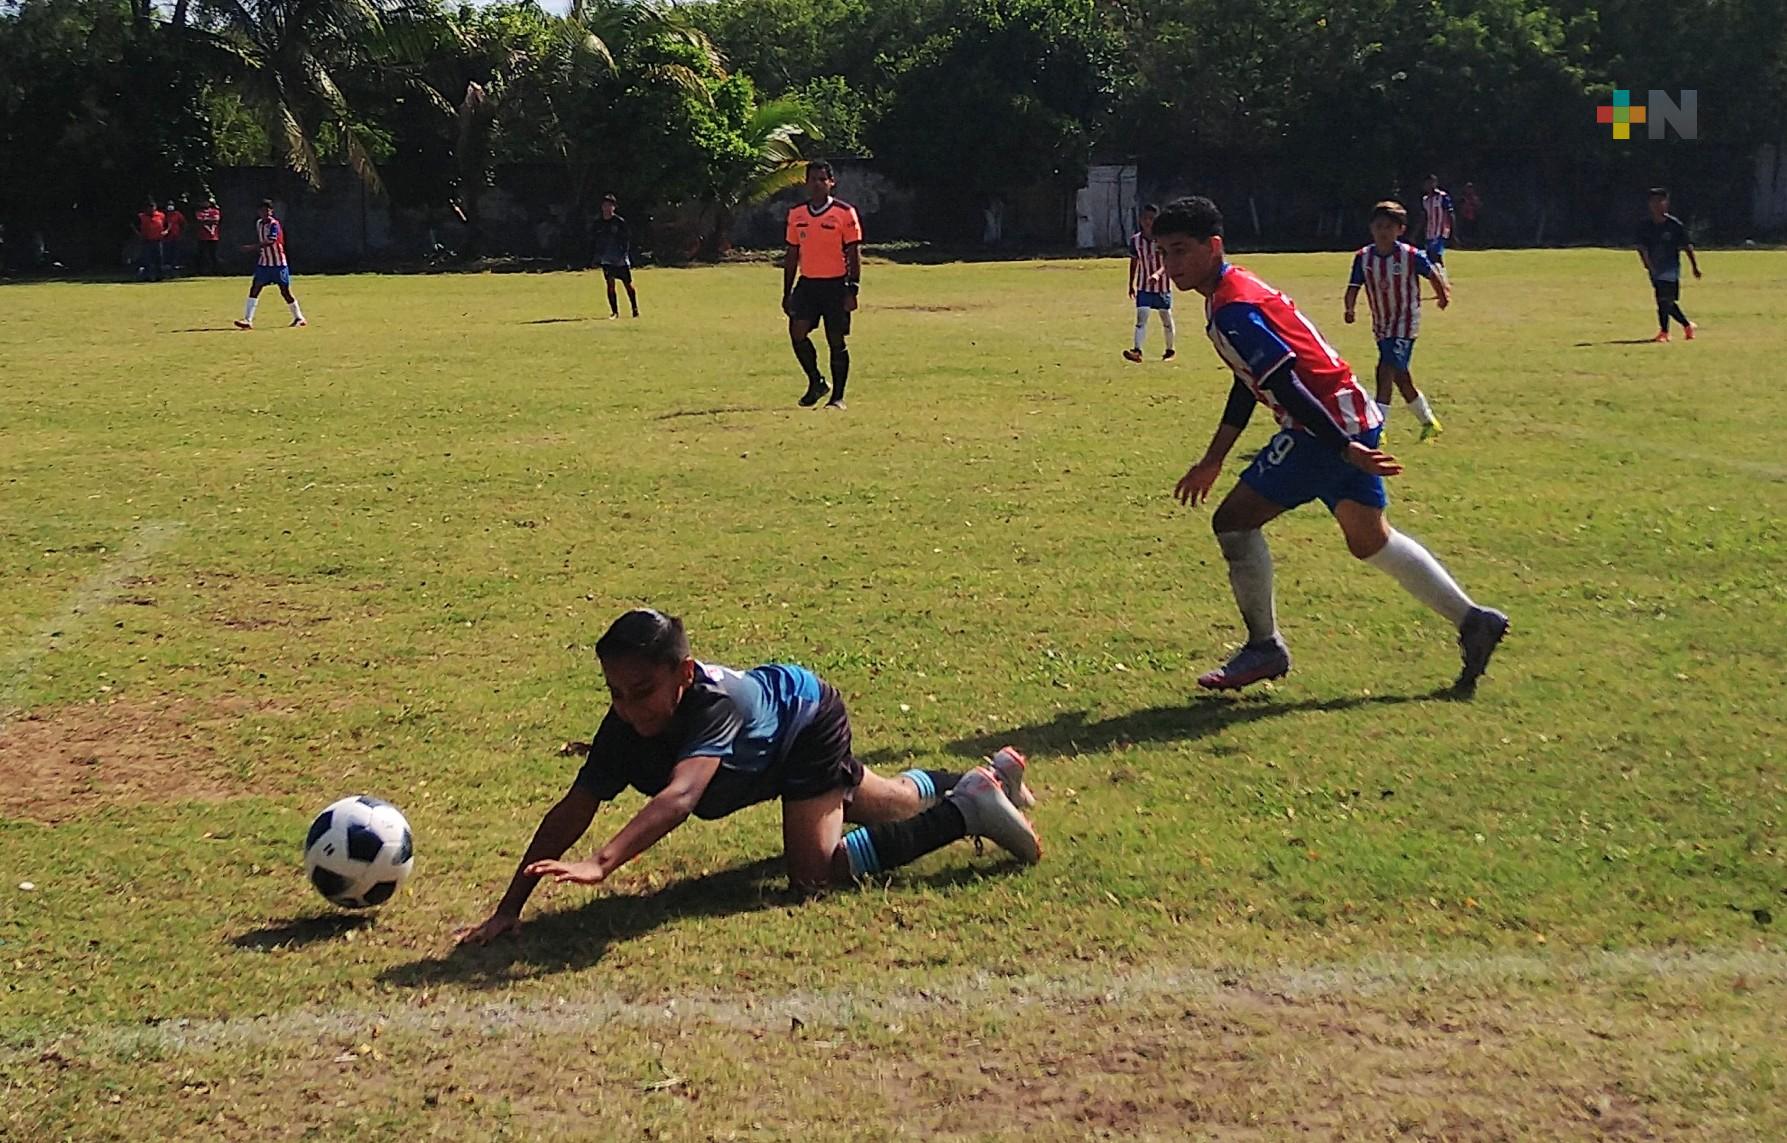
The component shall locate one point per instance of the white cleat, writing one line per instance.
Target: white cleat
(980, 795)
(1009, 764)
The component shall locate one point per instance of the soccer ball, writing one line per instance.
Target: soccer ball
(358, 852)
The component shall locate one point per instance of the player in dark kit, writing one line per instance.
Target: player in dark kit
(825, 252)
(701, 739)
(1662, 239)
(611, 247)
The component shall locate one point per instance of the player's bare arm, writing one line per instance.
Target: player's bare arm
(559, 830)
(667, 809)
(790, 269)
(852, 273)
(1352, 303)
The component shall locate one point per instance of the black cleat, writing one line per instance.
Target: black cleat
(816, 391)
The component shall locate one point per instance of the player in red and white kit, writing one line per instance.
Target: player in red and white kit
(1390, 272)
(1325, 449)
(271, 268)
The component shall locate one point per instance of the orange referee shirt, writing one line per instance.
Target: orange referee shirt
(823, 236)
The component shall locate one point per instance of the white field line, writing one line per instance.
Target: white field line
(964, 993)
(78, 610)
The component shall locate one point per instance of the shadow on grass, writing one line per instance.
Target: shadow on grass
(713, 412)
(577, 938)
(303, 931)
(1616, 341)
(1071, 733)
(557, 321)
(204, 329)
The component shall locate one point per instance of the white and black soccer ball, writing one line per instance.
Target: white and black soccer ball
(358, 852)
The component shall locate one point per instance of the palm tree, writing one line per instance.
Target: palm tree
(284, 57)
(773, 135)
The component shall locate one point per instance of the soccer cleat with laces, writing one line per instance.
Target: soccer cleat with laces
(990, 814)
(1132, 355)
(1478, 636)
(1431, 430)
(1253, 663)
(1009, 764)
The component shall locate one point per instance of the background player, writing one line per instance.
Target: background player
(611, 245)
(270, 268)
(1325, 449)
(1149, 286)
(706, 740)
(1390, 272)
(1661, 241)
(1436, 206)
(825, 251)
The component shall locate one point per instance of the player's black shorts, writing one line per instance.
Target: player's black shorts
(617, 274)
(818, 761)
(1666, 291)
(816, 299)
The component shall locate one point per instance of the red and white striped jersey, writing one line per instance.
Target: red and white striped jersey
(1147, 269)
(1392, 284)
(1438, 205)
(272, 238)
(1256, 330)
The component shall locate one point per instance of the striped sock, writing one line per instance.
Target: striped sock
(889, 845)
(932, 784)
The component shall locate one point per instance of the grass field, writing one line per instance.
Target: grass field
(244, 574)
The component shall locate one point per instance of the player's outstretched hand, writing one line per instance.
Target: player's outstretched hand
(496, 926)
(1376, 462)
(1194, 487)
(568, 872)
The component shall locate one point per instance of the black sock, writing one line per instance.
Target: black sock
(809, 361)
(1663, 316)
(633, 300)
(879, 848)
(840, 371)
(613, 304)
(1675, 311)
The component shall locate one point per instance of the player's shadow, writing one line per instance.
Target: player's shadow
(204, 329)
(556, 321)
(1071, 732)
(715, 411)
(302, 931)
(576, 938)
(1615, 341)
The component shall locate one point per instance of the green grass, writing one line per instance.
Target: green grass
(372, 555)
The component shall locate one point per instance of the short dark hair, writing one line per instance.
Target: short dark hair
(1149, 208)
(268, 203)
(1195, 217)
(1390, 208)
(611, 198)
(646, 635)
(821, 165)
(1659, 192)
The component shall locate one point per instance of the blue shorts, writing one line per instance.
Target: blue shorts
(273, 276)
(1295, 468)
(1436, 249)
(1395, 351)
(1153, 300)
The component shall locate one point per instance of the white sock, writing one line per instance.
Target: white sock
(1141, 327)
(1250, 575)
(1414, 567)
(248, 309)
(1423, 412)
(1383, 407)
(297, 314)
(1171, 327)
